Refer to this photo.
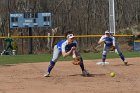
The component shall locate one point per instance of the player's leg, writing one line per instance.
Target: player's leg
(81, 59)
(84, 71)
(13, 50)
(104, 53)
(56, 55)
(7, 47)
(121, 55)
(5, 50)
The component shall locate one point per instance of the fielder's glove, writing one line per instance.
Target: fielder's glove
(76, 60)
(112, 48)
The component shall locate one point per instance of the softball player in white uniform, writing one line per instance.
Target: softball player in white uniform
(65, 48)
(109, 41)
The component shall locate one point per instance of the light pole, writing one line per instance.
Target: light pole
(112, 16)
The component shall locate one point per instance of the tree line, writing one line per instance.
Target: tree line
(83, 17)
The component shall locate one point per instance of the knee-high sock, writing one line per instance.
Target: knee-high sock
(121, 56)
(103, 58)
(51, 66)
(82, 64)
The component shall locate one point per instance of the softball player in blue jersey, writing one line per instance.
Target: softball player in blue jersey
(65, 48)
(109, 41)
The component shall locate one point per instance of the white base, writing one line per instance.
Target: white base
(102, 63)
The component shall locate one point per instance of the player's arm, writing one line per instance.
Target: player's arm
(64, 53)
(101, 40)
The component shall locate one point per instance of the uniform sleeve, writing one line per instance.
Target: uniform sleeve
(63, 47)
(113, 41)
(102, 38)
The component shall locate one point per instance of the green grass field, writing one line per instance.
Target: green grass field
(6, 59)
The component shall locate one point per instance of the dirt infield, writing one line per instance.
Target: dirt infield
(66, 78)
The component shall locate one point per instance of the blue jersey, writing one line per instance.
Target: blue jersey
(63, 45)
(109, 41)
(59, 44)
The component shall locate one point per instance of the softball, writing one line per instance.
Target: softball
(112, 74)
